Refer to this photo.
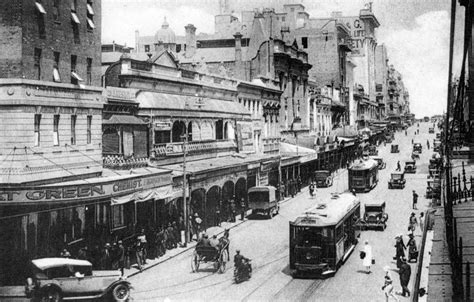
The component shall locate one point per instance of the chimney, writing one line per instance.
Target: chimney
(137, 44)
(239, 74)
(190, 40)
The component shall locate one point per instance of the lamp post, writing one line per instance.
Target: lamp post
(185, 204)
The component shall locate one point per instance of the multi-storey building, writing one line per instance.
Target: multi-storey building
(381, 79)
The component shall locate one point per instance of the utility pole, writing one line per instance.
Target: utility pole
(185, 203)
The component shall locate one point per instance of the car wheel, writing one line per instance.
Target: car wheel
(121, 292)
(51, 295)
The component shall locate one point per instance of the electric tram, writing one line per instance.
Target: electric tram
(363, 175)
(323, 237)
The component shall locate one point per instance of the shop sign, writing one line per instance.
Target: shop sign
(268, 166)
(120, 93)
(78, 192)
(174, 149)
(163, 125)
(264, 180)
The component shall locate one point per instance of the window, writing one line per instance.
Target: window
(89, 129)
(304, 42)
(56, 76)
(40, 19)
(38, 63)
(75, 22)
(56, 10)
(56, 130)
(89, 71)
(90, 16)
(117, 216)
(75, 78)
(147, 48)
(283, 19)
(37, 129)
(73, 129)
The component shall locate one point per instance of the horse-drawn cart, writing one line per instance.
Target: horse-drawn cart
(218, 255)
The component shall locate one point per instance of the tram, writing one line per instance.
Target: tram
(323, 237)
(363, 175)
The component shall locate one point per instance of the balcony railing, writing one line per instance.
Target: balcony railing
(176, 149)
(117, 161)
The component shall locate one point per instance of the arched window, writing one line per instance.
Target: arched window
(219, 129)
(226, 129)
(178, 131)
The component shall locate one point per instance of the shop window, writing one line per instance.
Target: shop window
(219, 129)
(162, 137)
(118, 219)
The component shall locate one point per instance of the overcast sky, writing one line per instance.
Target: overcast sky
(416, 33)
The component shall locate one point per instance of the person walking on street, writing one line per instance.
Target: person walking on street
(197, 221)
(428, 144)
(298, 183)
(412, 222)
(388, 285)
(311, 189)
(217, 217)
(405, 273)
(415, 199)
(399, 167)
(121, 257)
(421, 220)
(242, 209)
(367, 261)
(139, 246)
(399, 250)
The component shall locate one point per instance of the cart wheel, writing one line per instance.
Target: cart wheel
(222, 261)
(195, 262)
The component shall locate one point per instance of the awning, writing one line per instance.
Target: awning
(156, 193)
(286, 148)
(123, 120)
(190, 105)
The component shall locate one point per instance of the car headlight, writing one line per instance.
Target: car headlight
(378, 218)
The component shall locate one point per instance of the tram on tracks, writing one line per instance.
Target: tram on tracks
(324, 236)
(363, 175)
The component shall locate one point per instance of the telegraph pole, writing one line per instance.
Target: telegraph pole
(185, 203)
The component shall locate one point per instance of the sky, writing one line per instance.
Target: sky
(415, 32)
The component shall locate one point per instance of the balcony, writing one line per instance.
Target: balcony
(193, 148)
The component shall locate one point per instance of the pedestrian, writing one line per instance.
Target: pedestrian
(242, 209)
(232, 210)
(421, 220)
(139, 247)
(160, 247)
(399, 167)
(412, 141)
(121, 257)
(405, 272)
(415, 199)
(428, 144)
(399, 249)
(311, 189)
(412, 222)
(65, 253)
(197, 221)
(388, 286)
(367, 261)
(298, 183)
(292, 188)
(406, 133)
(217, 217)
(142, 238)
(83, 253)
(412, 249)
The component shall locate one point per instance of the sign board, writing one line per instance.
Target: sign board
(120, 93)
(264, 179)
(174, 149)
(85, 191)
(357, 29)
(162, 125)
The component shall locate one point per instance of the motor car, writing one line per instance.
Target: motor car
(417, 147)
(262, 200)
(397, 180)
(410, 166)
(55, 279)
(373, 150)
(438, 135)
(382, 164)
(323, 178)
(394, 149)
(433, 188)
(374, 215)
(431, 130)
(415, 155)
(436, 145)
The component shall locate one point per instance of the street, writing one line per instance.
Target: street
(266, 243)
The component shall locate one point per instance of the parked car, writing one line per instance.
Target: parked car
(323, 178)
(374, 215)
(436, 145)
(415, 155)
(380, 161)
(410, 166)
(397, 180)
(55, 279)
(431, 130)
(394, 149)
(438, 135)
(433, 188)
(262, 200)
(417, 148)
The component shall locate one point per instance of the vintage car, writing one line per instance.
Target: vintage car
(389, 137)
(262, 200)
(374, 216)
(438, 135)
(410, 166)
(417, 147)
(397, 180)
(394, 149)
(436, 145)
(380, 161)
(55, 279)
(323, 178)
(415, 155)
(373, 150)
(433, 188)
(430, 130)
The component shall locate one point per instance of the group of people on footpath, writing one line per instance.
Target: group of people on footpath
(226, 212)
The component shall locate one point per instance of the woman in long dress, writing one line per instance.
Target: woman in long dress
(367, 261)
